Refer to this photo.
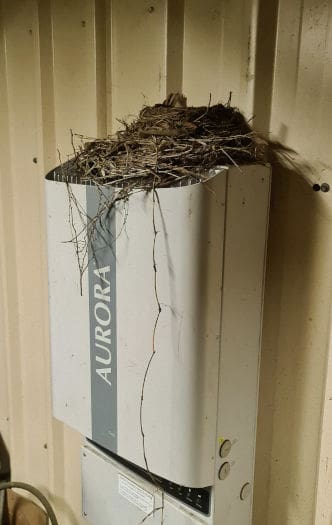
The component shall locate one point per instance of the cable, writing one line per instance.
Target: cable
(36, 493)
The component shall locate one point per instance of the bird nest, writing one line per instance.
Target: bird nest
(167, 146)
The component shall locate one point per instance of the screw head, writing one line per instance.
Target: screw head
(325, 187)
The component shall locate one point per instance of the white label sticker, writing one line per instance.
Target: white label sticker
(136, 495)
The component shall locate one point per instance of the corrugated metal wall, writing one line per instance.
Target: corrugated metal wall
(82, 65)
(294, 392)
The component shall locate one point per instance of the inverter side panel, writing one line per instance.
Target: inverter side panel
(122, 368)
(247, 216)
(178, 267)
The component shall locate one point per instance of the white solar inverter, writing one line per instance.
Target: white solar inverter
(178, 275)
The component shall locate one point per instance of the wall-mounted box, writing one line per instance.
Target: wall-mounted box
(202, 386)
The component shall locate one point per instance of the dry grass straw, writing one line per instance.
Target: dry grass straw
(167, 146)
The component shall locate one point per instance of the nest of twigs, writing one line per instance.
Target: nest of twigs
(168, 146)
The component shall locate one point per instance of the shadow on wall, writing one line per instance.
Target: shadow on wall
(294, 347)
(4, 461)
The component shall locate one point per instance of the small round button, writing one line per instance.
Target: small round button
(224, 471)
(245, 491)
(225, 448)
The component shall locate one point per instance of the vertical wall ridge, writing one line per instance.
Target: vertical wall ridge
(8, 253)
(175, 36)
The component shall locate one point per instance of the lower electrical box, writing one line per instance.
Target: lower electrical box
(116, 493)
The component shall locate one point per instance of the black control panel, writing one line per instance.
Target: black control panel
(197, 498)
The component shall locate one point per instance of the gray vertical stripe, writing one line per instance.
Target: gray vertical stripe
(102, 304)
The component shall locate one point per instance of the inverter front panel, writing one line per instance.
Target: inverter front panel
(156, 250)
(129, 495)
(197, 253)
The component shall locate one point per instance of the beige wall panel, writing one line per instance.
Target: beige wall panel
(4, 401)
(293, 361)
(4, 383)
(202, 52)
(286, 67)
(311, 65)
(175, 30)
(47, 158)
(218, 53)
(299, 284)
(75, 84)
(78, 78)
(25, 353)
(138, 56)
(238, 53)
(302, 75)
(102, 29)
(64, 492)
(323, 514)
(47, 132)
(324, 123)
(7, 254)
(270, 336)
(264, 53)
